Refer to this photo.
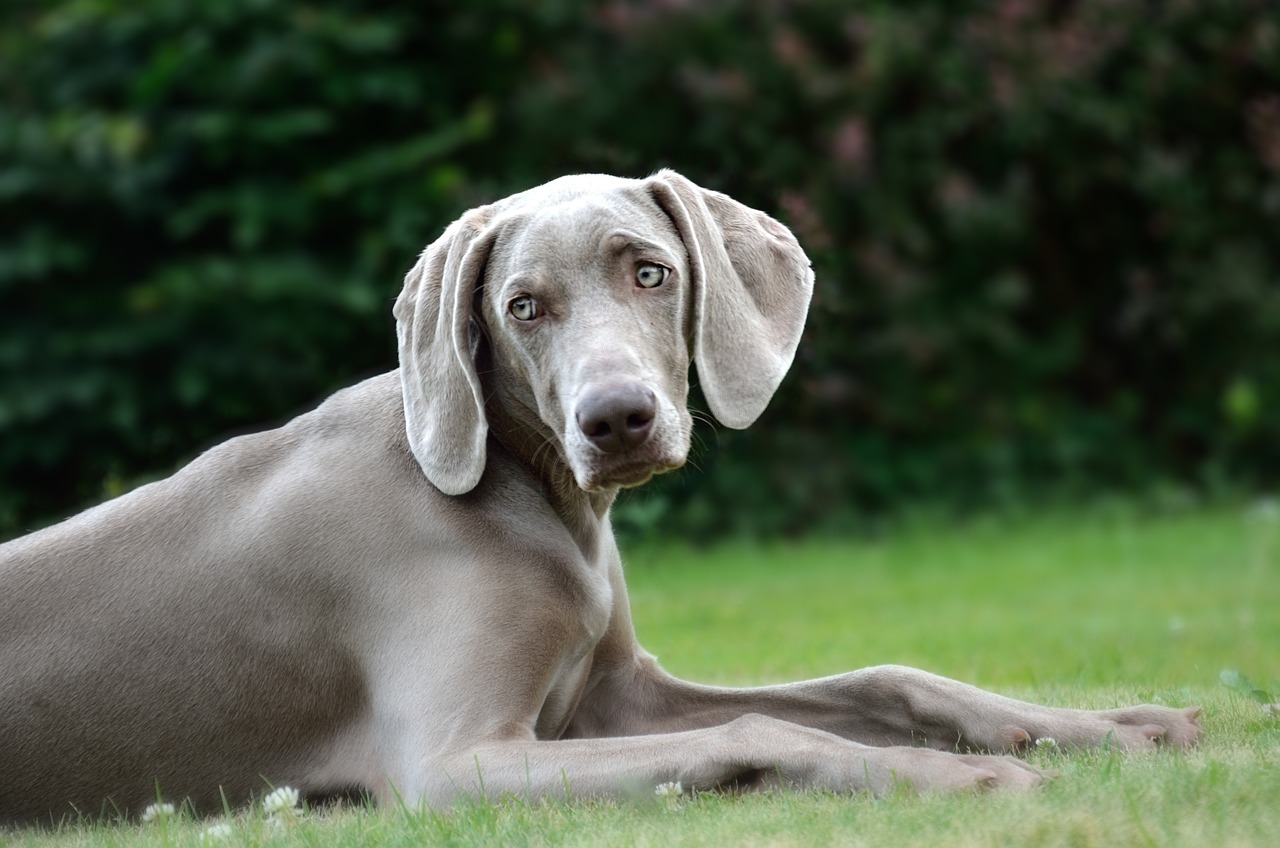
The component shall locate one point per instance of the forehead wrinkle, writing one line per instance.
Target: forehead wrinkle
(552, 230)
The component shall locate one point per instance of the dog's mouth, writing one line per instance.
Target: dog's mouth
(625, 474)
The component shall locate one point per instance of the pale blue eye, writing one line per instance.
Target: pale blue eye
(650, 276)
(524, 308)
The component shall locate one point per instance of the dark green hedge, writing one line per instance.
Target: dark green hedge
(1047, 236)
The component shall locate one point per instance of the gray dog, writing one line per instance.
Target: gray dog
(414, 589)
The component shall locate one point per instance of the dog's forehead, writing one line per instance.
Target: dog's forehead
(572, 215)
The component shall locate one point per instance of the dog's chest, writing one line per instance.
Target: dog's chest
(593, 609)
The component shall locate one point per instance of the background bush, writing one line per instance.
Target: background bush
(1045, 234)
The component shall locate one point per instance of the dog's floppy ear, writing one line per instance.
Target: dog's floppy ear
(752, 285)
(443, 401)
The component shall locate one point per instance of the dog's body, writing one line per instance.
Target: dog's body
(414, 589)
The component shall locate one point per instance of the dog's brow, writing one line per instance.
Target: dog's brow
(525, 282)
(620, 241)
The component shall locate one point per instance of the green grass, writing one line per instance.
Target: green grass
(1086, 608)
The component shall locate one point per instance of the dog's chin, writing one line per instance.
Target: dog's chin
(622, 474)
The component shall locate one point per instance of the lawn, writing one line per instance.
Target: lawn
(1090, 608)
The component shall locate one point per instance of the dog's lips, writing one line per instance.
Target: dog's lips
(627, 473)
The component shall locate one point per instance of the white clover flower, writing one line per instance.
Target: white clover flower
(669, 790)
(158, 811)
(283, 801)
(1046, 742)
(217, 832)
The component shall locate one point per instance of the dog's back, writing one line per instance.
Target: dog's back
(154, 637)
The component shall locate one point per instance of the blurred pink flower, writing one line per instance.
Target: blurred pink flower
(805, 220)
(851, 144)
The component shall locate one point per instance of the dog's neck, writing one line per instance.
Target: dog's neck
(537, 448)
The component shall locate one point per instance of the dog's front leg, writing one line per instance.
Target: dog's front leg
(883, 705)
(749, 753)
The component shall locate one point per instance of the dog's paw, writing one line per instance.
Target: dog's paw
(1009, 773)
(1148, 725)
(1139, 728)
(923, 770)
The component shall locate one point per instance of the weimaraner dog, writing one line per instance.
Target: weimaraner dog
(414, 591)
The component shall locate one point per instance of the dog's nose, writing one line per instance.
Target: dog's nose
(618, 418)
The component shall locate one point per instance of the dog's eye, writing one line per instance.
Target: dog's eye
(649, 276)
(524, 308)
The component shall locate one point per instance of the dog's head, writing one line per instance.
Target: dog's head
(577, 306)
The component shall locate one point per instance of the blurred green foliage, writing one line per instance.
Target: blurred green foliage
(1047, 236)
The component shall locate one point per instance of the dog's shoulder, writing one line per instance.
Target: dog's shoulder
(361, 424)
